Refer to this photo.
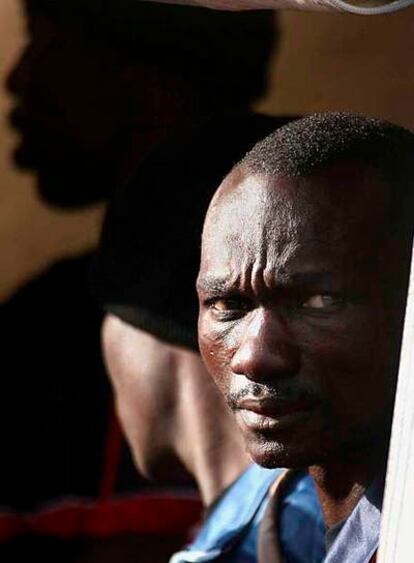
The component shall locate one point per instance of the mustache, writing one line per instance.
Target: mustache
(264, 391)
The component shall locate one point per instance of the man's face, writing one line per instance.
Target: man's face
(298, 325)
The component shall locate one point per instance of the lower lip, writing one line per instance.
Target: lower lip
(263, 423)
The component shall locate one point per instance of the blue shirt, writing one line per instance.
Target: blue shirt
(230, 533)
(358, 540)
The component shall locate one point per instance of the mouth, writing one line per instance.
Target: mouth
(19, 120)
(41, 141)
(269, 415)
(40, 122)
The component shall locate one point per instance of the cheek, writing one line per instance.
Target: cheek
(216, 354)
(350, 366)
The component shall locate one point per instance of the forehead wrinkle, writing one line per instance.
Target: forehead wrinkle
(234, 277)
(277, 269)
(281, 230)
(256, 226)
(257, 278)
(270, 228)
(245, 274)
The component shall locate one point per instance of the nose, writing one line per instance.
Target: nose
(30, 66)
(267, 349)
(20, 74)
(13, 78)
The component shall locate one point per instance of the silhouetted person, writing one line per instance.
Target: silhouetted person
(98, 87)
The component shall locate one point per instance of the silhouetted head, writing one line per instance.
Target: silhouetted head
(305, 260)
(101, 83)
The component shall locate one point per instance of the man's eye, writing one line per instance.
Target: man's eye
(224, 305)
(228, 309)
(322, 302)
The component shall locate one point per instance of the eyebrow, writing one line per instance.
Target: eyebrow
(219, 285)
(213, 284)
(312, 277)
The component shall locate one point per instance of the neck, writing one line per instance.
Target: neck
(216, 466)
(341, 484)
(208, 442)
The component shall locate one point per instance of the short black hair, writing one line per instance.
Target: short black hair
(224, 54)
(302, 147)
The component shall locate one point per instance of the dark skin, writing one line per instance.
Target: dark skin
(300, 324)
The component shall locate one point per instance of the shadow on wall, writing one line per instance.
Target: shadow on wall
(27, 223)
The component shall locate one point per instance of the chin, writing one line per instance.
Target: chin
(269, 453)
(70, 191)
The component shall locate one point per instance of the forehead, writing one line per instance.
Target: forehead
(278, 221)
